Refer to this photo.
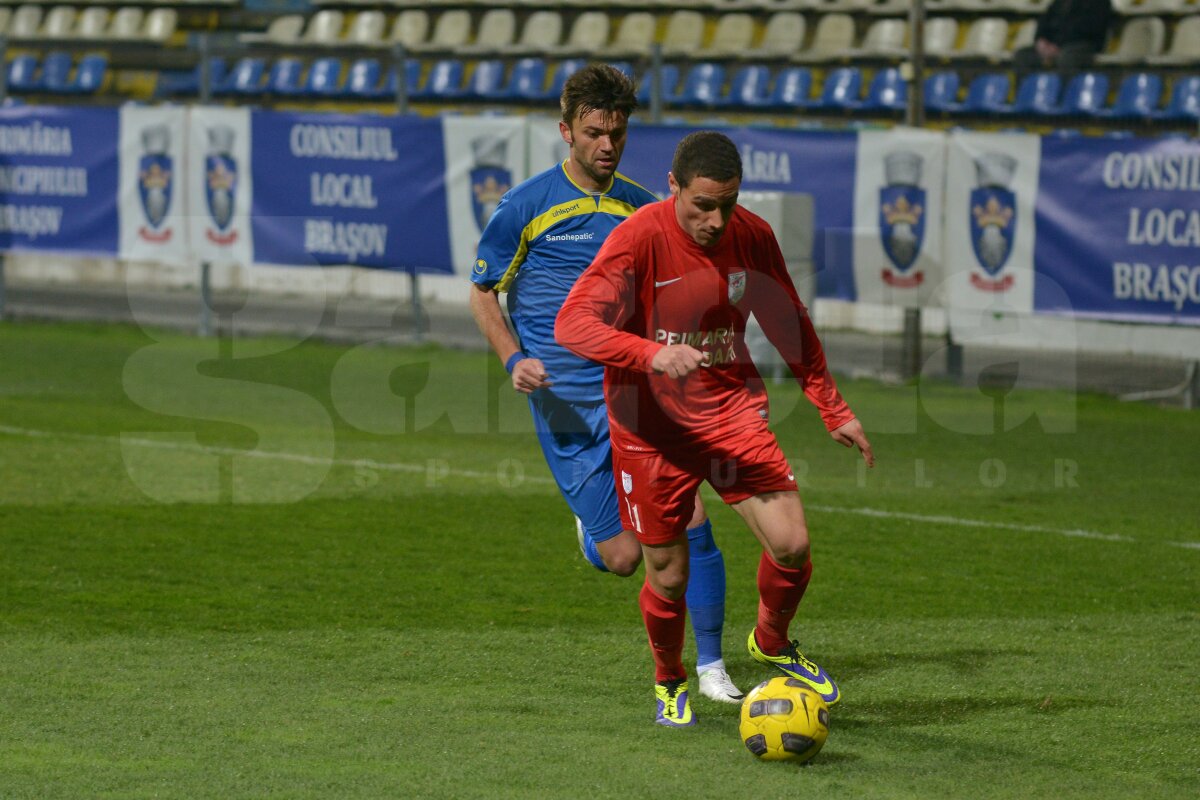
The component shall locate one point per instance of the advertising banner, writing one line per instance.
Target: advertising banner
(220, 186)
(58, 180)
(152, 186)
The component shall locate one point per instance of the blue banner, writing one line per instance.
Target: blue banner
(818, 163)
(333, 189)
(1118, 229)
(58, 179)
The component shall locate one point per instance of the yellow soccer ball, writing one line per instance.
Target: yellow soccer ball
(784, 720)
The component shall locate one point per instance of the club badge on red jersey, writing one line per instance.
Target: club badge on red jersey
(737, 286)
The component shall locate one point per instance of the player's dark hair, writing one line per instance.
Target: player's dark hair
(597, 87)
(706, 154)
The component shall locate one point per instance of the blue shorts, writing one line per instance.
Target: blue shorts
(574, 439)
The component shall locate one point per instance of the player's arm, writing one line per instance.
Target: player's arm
(786, 322)
(601, 301)
(528, 374)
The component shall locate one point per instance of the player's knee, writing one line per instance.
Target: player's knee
(791, 551)
(622, 554)
(623, 565)
(672, 583)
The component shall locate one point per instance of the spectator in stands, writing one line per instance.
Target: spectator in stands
(1069, 34)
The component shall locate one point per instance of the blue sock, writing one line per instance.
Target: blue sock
(588, 546)
(706, 593)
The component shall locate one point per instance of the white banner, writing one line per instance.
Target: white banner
(219, 197)
(151, 185)
(485, 157)
(991, 197)
(898, 217)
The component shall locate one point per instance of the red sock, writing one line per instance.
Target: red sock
(779, 591)
(664, 623)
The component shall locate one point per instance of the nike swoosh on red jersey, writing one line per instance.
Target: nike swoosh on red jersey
(657, 284)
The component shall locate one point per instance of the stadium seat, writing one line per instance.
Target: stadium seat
(670, 80)
(940, 36)
(588, 34)
(702, 86)
(987, 94)
(324, 78)
(324, 27)
(5, 18)
(541, 33)
(1185, 44)
(1086, 92)
(450, 32)
(58, 24)
(633, 38)
(363, 80)
(833, 38)
(1024, 37)
(90, 74)
(842, 89)
(749, 88)
(486, 81)
(565, 69)
(410, 28)
(160, 24)
(792, 90)
(284, 78)
(941, 91)
(888, 91)
(26, 22)
(1137, 97)
(684, 34)
(783, 36)
(23, 74)
(412, 81)
(445, 81)
(92, 23)
(987, 38)
(528, 80)
(366, 29)
(885, 38)
(127, 23)
(282, 30)
(497, 28)
(1130, 8)
(889, 7)
(1185, 100)
(1027, 7)
(56, 72)
(731, 37)
(175, 84)
(245, 79)
(1141, 38)
(1038, 94)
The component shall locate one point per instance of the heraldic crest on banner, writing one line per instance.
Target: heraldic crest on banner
(902, 208)
(490, 176)
(155, 182)
(220, 183)
(993, 219)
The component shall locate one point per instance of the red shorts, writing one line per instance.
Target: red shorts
(657, 491)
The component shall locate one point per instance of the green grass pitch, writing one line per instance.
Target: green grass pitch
(270, 568)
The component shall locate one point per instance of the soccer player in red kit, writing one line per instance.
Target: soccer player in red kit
(664, 306)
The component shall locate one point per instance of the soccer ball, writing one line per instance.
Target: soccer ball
(784, 720)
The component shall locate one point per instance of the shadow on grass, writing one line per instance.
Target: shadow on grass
(964, 661)
(948, 710)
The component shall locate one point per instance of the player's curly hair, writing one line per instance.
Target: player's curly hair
(597, 87)
(706, 154)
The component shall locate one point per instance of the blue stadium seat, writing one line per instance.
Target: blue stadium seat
(23, 74)
(486, 81)
(702, 85)
(284, 78)
(748, 88)
(90, 74)
(670, 80)
(324, 78)
(792, 90)
(941, 91)
(842, 89)
(988, 94)
(1137, 96)
(1086, 92)
(564, 70)
(362, 82)
(1038, 94)
(445, 81)
(1185, 100)
(56, 72)
(244, 79)
(175, 84)
(528, 80)
(888, 91)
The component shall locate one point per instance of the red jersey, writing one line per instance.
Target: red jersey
(650, 286)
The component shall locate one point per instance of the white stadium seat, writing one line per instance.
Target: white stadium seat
(282, 30)
(732, 36)
(635, 34)
(450, 32)
(833, 37)
(366, 29)
(410, 27)
(497, 29)
(885, 38)
(1185, 44)
(986, 38)
(1140, 38)
(940, 36)
(684, 33)
(126, 23)
(588, 34)
(160, 24)
(541, 33)
(783, 36)
(92, 24)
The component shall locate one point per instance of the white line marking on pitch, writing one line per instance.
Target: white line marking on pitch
(931, 519)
